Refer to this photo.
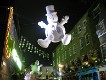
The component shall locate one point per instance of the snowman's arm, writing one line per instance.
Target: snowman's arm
(64, 20)
(42, 24)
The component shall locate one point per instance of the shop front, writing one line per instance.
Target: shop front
(102, 73)
(91, 74)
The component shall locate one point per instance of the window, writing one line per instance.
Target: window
(81, 42)
(102, 75)
(48, 56)
(87, 39)
(72, 36)
(53, 55)
(100, 27)
(96, 11)
(79, 29)
(53, 62)
(103, 48)
(85, 23)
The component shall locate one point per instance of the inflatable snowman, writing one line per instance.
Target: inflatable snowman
(36, 68)
(55, 30)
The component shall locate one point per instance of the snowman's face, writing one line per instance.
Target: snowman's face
(52, 18)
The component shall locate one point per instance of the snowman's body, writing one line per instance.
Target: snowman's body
(54, 31)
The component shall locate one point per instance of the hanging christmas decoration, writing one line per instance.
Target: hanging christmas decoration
(54, 31)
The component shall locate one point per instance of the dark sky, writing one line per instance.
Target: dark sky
(30, 12)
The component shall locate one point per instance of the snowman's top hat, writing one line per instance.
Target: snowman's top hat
(50, 10)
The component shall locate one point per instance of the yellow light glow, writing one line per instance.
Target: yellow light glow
(85, 63)
(60, 65)
(7, 55)
(94, 58)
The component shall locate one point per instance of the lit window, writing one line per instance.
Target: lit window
(54, 63)
(103, 48)
(79, 29)
(85, 23)
(4, 63)
(53, 54)
(96, 11)
(87, 39)
(48, 56)
(32, 47)
(100, 28)
(46, 70)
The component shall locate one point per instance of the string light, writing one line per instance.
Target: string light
(6, 52)
(25, 44)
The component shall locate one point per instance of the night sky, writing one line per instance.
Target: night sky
(30, 12)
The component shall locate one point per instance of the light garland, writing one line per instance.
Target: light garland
(26, 45)
(6, 52)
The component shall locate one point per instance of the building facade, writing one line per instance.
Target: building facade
(87, 48)
(8, 35)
